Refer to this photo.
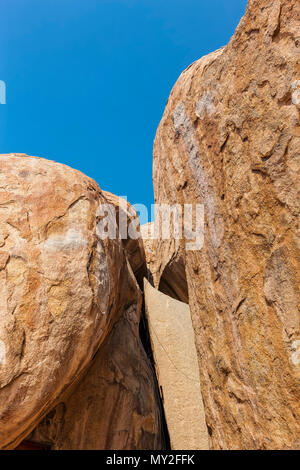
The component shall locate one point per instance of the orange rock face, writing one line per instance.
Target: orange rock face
(60, 301)
(165, 264)
(116, 404)
(126, 216)
(230, 139)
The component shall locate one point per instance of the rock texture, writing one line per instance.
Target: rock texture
(127, 218)
(61, 299)
(175, 356)
(230, 139)
(115, 406)
(165, 264)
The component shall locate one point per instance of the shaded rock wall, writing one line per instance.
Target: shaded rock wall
(176, 362)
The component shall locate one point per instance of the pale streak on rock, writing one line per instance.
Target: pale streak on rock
(296, 93)
(205, 106)
(2, 353)
(71, 240)
(296, 354)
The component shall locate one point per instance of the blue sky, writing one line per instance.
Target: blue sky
(87, 80)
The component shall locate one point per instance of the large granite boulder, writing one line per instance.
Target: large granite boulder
(61, 300)
(230, 139)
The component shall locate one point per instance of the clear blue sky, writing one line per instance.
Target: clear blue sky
(87, 80)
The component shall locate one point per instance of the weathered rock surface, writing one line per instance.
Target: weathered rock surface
(173, 344)
(230, 139)
(165, 264)
(60, 302)
(115, 406)
(127, 219)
